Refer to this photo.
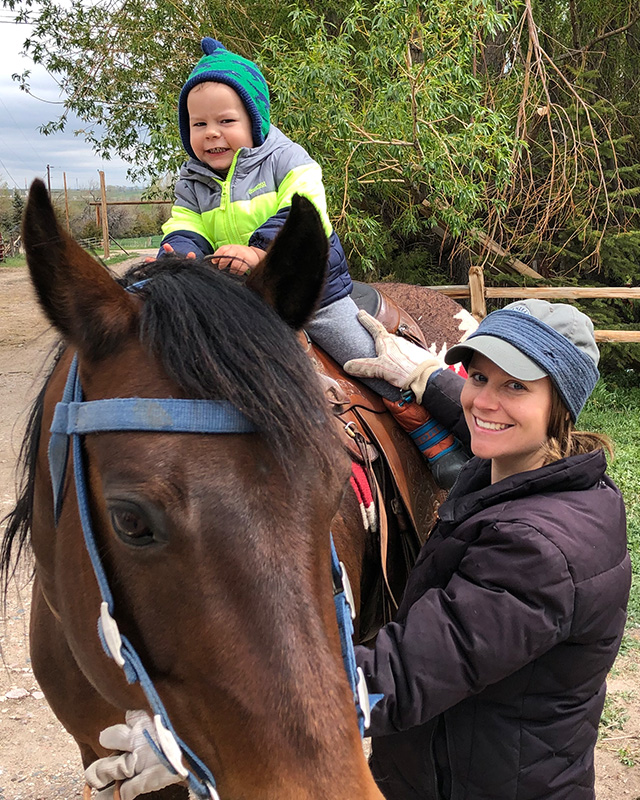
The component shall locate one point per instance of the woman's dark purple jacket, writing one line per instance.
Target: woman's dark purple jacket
(494, 668)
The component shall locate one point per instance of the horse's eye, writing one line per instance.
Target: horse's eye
(131, 526)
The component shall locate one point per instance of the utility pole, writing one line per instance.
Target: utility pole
(66, 201)
(49, 179)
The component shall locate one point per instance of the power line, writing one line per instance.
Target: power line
(19, 128)
(11, 178)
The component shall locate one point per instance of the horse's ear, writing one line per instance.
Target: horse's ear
(76, 292)
(293, 272)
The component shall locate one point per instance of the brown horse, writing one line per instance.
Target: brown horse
(216, 546)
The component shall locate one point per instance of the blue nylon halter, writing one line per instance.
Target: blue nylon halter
(74, 417)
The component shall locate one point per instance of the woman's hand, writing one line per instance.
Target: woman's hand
(399, 361)
(137, 763)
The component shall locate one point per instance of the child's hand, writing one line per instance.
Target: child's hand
(237, 258)
(168, 250)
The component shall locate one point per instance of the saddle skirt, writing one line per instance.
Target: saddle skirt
(406, 494)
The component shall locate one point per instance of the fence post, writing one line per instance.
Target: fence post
(105, 221)
(476, 291)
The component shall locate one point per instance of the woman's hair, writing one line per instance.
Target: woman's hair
(564, 440)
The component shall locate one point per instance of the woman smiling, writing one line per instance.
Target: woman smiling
(493, 672)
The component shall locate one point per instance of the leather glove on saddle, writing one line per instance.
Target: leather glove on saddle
(399, 361)
(139, 764)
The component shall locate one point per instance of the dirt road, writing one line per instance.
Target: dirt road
(38, 760)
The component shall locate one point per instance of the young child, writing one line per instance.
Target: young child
(234, 194)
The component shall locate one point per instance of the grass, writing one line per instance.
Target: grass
(20, 261)
(615, 713)
(614, 409)
(14, 261)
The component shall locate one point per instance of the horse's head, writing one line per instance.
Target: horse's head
(216, 546)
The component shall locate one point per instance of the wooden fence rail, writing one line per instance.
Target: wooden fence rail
(478, 294)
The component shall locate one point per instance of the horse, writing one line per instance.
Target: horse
(215, 545)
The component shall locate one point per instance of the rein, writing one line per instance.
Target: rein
(74, 417)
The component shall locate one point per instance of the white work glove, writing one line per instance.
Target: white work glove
(399, 361)
(138, 764)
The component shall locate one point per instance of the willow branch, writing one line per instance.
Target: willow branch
(598, 39)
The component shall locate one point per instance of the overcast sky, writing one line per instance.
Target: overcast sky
(24, 152)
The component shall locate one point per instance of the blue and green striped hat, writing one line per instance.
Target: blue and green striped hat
(221, 66)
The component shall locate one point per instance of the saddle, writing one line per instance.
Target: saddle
(406, 494)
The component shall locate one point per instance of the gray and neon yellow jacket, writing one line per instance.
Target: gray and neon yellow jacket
(250, 205)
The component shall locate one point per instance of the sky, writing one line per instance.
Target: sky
(24, 152)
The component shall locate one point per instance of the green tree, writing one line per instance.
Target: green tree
(515, 117)
(5, 208)
(17, 207)
(384, 94)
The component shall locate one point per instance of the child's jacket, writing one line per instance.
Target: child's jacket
(250, 205)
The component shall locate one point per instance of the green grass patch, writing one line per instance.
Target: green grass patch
(615, 713)
(630, 643)
(20, 261)
(119, 258)
(142, 242)
(614, 409)
(14, 261)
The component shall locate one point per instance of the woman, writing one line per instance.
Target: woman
(493, 672)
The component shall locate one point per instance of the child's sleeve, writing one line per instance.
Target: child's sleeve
(184, 230)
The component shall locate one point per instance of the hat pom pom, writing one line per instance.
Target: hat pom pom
(209, 45)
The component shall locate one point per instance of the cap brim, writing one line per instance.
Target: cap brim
(505, 355)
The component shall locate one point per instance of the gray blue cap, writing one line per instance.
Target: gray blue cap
(531, 339)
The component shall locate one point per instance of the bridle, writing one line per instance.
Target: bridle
(75, 417)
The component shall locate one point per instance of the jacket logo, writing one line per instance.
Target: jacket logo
(262, 185)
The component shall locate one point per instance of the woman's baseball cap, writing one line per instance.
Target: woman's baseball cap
(531, 339)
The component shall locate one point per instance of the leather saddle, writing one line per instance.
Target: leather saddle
(406, 494)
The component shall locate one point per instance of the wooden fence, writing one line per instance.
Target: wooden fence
(478, 293)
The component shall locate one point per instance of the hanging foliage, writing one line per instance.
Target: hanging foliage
(508, 125)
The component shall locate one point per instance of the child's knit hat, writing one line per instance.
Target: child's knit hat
(221, 66)
(529, 339)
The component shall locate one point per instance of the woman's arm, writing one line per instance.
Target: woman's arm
(510, 600)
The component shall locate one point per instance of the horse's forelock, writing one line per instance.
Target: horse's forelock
(218, 340)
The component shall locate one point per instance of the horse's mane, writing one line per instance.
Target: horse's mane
(219, 341)
(18, 521)
(216, 340)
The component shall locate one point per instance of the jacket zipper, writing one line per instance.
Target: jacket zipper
(230, 228)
